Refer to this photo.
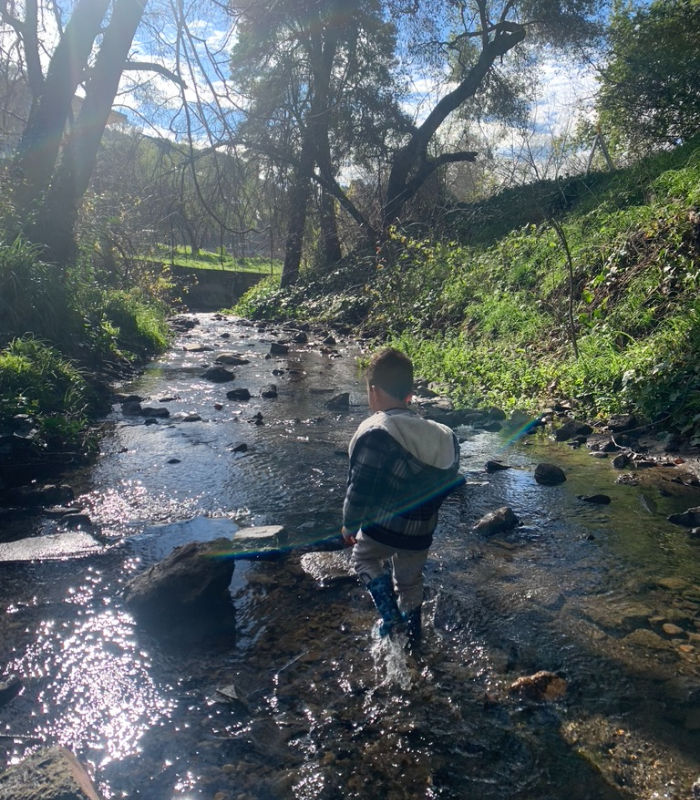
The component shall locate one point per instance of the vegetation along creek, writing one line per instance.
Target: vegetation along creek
(288, 695)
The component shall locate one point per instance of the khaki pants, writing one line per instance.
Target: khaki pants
(368, 559)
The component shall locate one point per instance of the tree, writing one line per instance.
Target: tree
(474, 37)
(56, 152)
(317, 79)
(293, 102)
(650, 88)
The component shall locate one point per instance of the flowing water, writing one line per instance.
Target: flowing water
(293, 697)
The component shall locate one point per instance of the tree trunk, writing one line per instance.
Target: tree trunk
(330, 242)
(38, 150)
(58, 214)
(298, 201)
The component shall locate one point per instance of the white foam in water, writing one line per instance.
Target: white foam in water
(390, 661)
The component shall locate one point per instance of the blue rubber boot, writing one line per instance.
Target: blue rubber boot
(382, 591)
(414, 629)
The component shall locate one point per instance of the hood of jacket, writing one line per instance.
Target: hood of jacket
(430, 442)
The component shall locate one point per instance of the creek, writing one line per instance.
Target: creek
(297, 699)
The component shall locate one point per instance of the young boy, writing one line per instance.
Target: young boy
(401, 469)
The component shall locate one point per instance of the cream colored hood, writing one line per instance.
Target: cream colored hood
(430, 442)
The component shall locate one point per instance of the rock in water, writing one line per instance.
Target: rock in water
(218, 375)
(542, 685)
(340, 402)
(597, 499)
(502, 519)
(49, 774)
(549, 474)
(496, 466)
(238, 394)
(193, 578)
(690, 518)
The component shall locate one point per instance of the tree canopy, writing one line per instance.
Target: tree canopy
(650, 88)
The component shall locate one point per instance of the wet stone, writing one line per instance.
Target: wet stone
(672, 630)
(232, 359)
(498, 521)
(269, 392)
(154, 412)
(689, 518)
(328, 567)
(543, 685)
(238, 394)
(620, 461)
(218, 375)
(549, 474)
(643, 637)
(496, 466)
(571, 430)
(596, 499)
(340, 402)
(672, 583)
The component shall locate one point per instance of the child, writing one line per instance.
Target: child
(401, 469)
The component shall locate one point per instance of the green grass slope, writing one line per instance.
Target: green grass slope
(585, 289)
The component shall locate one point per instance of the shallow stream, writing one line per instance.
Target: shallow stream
(295, 699)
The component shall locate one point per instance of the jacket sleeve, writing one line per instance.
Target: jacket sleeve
(369, 467)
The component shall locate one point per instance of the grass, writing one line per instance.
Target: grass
(206, 259)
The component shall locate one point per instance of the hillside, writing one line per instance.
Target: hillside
(584, 289)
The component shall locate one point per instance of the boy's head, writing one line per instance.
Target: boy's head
(391, 371)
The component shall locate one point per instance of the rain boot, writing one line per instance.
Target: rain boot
(382, 591)
(413, 627)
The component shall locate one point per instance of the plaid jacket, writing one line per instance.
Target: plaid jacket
(392, 495)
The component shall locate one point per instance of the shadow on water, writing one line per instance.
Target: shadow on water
(299, 701)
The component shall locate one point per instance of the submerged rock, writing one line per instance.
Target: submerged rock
(218, 375)
(502, 519)
(232, 359)
(549, 474)
(597, 499)
(543, 685)
(49, 774)
(37, 496)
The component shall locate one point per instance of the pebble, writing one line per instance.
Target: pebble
(672, 630)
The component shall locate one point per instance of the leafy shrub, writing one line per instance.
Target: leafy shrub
(32, 296)
(35, 377)
(137, 324)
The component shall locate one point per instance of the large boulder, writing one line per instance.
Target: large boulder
(193, 578)
(49, 774)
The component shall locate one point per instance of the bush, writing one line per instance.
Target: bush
(136, 324)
